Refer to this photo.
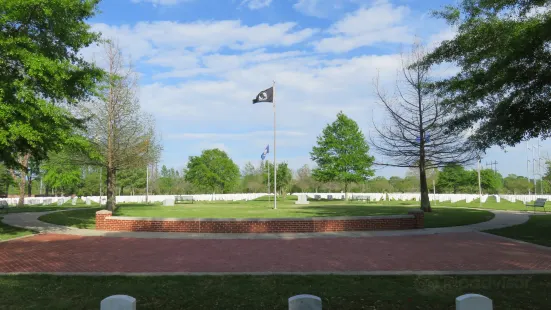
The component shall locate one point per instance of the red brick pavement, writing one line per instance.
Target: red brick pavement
(444, 252)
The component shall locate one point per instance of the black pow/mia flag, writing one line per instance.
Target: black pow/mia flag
(265, 96)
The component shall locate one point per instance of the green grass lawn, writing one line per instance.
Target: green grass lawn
(536, 230)
(272, 292)
(85, 219)
(9, 232)
(440, 217)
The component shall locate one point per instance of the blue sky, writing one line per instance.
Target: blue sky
(201, 62)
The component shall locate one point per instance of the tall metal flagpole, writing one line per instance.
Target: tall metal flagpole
(147, 184)
(479, 186)
(268, 166)
(275, 166)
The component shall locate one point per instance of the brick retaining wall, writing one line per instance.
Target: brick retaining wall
(413, 220)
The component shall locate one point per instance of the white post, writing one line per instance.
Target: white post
(527, 167)
(275, 166)
(473, 302)
(304, 302)
(118, 302)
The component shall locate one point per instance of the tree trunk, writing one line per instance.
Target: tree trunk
(425, 201)
(346, 191)
(111, 188)
(24, 162)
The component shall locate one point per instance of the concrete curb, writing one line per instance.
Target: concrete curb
(294, 273)
(34, 233)
(543, 247)
(500, 220)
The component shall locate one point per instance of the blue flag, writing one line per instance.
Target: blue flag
(266, 151)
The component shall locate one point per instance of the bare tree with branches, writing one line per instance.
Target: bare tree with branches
(416, 135)
(122, 135)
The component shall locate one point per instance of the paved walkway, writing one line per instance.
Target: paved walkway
(451, 252)
(30, 221)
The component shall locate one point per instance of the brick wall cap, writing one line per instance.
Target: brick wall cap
(106, 212)
(288, 219)
(416, 211)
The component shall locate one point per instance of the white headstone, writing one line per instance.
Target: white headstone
(60, 202)
(74, 202)
(329, 197)
(88, 201)
(168, 202)
(473, 302)
(302, 200)
(118, 302)
(305, 302)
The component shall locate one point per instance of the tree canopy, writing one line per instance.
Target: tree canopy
(503, 84)
(213, 170)
(454, 177)
(41, 72)
(342, 153)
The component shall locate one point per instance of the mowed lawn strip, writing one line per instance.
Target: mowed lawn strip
(10, 232)
(272, 292)
(537, 230)
(440, 217)
(85, 219)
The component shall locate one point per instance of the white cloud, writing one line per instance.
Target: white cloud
(256, 4)
(380, 23)
(145, 38)
(162, 2)
(447, 33)
(309, 7)
(377, 17)
(324, 8)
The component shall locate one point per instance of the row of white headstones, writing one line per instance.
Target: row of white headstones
(305, 302)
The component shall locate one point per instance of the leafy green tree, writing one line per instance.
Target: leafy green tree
(452, 178)
(514, 184)
(41, 71)
(213, 170)
(132, 179)
(284, 176)
(5, 180)
(167, 180)
(342, 154)
(490, 181)
(380, 185)
(408, 184)
(252, 179)
(91, 181)
(503, 84)
(61, 176)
